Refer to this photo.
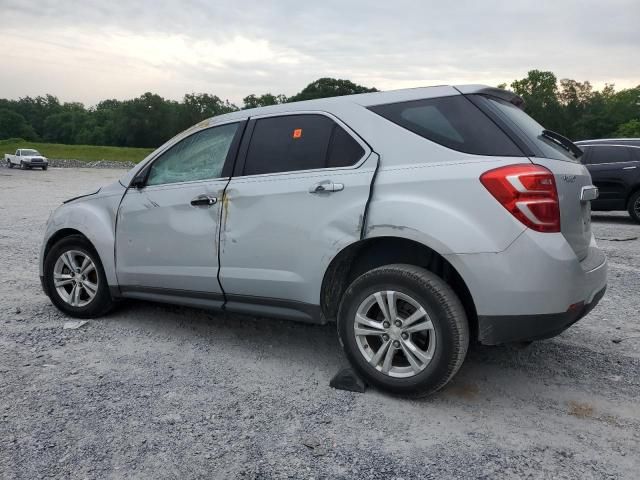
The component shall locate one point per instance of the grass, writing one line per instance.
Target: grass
(87, 153)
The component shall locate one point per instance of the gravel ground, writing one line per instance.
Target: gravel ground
(70, 163)
(155, 391)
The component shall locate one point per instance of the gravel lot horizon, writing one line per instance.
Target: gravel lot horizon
(158, 391)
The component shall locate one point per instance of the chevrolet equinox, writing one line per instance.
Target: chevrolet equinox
(418, 220)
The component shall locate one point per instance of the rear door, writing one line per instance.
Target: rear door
(612, 167)
(297, 197)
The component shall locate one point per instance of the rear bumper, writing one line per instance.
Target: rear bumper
(534, 289)
(496, 330)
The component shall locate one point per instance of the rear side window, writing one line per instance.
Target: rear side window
(344, 151)
(453, 122)
(528, 128)
(299, 142)
(605, 154)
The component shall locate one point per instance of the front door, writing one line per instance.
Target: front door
(167, 230)
(297, 197)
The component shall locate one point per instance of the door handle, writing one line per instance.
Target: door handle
(203, 200)
(629, 168)
(326, 187)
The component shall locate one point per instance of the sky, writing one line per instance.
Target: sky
(92, 50)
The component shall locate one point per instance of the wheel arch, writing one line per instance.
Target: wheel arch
(59, 235)
(91, 221)
(632, 191)
(367, 254)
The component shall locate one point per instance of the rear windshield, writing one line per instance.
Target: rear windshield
(453, 122)
(529, 128)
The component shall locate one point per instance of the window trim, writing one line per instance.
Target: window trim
(630, 156)
(139, 180)
(246, 141)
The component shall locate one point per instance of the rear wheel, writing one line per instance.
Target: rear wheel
(9, 164)
(75, 278)
(634, 206)
(403, 329)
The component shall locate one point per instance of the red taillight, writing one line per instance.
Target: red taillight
(529, 192)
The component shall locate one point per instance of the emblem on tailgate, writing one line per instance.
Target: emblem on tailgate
(569, 178)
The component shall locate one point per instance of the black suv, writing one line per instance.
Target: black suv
(614, 165)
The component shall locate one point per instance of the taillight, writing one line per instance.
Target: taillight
(529, 192)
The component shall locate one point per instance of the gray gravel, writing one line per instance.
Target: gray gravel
(155, 391)
(70, 163)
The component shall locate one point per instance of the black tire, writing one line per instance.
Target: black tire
(102, 301)
(634, 206)
(9, 164)
(45, 167)
(444, 309)
(22, 166)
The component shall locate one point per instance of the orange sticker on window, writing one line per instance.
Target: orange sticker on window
(297, 133)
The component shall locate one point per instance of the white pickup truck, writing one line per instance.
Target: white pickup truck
(26, 158)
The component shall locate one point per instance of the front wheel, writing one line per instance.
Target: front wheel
(45, 167)
(23, 166)
(403, 329)
(634, 206)
(75, 279)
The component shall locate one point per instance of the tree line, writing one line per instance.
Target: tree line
(569, 107)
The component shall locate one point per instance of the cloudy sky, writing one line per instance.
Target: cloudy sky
(95, 49)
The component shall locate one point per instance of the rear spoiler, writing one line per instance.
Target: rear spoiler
(505, 95)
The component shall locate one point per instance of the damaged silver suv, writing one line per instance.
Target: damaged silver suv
(418, 220)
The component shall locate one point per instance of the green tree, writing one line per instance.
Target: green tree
(36, 110)
(575, 99)
(264, 100)
(198, 106)
(329, 87)
(630, 129)
(539, 91)
(64, 126)
(14, 125)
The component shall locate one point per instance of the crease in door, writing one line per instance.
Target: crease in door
(224, 207)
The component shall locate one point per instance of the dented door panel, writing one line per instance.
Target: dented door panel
(277, 237)
(163, 241)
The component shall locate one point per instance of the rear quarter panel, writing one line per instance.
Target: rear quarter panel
(432, 194)
(442, 205)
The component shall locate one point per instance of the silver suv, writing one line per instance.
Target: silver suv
(418, 220)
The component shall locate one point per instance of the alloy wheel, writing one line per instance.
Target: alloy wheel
(75, 278)
(394, 334)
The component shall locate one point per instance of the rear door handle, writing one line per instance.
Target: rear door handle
(629, 168)
(326, 187)
(205, 200)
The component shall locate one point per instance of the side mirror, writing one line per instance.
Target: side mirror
(138, 181)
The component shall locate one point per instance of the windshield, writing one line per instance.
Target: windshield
(31, 153)
(532, 130)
